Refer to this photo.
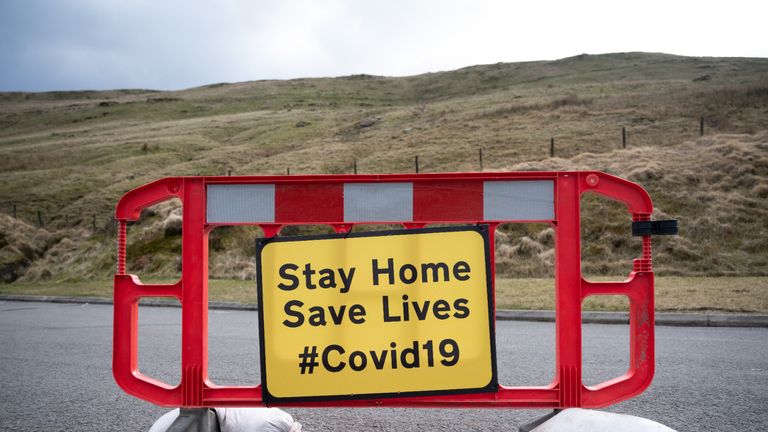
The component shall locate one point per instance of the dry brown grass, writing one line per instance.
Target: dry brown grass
(75, 153)
(713, 185)
(21, 244)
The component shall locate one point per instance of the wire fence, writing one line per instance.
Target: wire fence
(97, 222)
(94, 221)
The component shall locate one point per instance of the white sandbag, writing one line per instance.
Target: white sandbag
(240, 420)
(577, 420)
(165, 421)
(256, 420)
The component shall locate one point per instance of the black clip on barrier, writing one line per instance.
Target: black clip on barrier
(662, 227)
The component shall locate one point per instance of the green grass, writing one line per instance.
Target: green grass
(673, 294)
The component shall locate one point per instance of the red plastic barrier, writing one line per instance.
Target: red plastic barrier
(424, 199)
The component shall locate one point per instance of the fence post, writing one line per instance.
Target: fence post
(552, 147)
(288, 171)
(623, 137)
(93, 223)
(354, 165)
(416, 160)
(39, 218)
(480, 151)
(701, 126)
(14, 211)
(229, 172)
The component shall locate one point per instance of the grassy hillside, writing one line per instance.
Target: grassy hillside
(70, 155)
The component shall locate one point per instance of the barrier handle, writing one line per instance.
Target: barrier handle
(631, 194)
(639, 289)
(128, 291)
(132, 203)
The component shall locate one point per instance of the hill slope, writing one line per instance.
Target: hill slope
(68, 156)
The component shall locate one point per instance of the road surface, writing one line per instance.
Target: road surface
(55, 362)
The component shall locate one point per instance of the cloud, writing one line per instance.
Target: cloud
(171, 44)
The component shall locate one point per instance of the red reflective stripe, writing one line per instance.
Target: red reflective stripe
(448, 201)
(309, 203)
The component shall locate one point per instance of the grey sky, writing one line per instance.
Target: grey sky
(173, 44)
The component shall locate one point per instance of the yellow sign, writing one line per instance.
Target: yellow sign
(377, 314)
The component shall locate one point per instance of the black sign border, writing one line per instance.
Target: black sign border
(491, 387)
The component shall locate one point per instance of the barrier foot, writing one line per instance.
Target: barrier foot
(532, 424)
(195, 420)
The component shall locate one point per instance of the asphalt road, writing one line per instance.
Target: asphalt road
(55, 373)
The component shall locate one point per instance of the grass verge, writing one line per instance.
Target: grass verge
(673, 294)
